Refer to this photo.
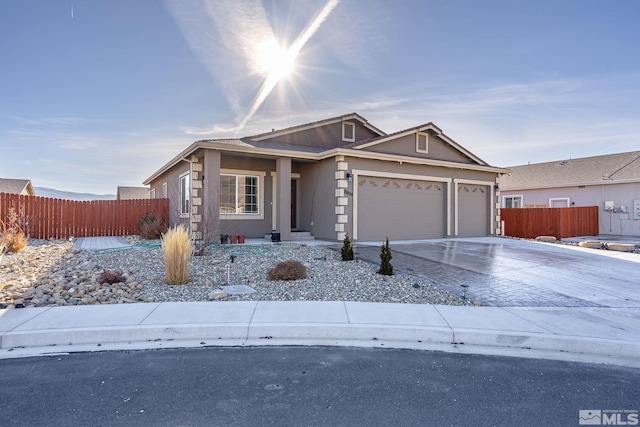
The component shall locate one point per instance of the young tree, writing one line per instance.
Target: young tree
(385, 259)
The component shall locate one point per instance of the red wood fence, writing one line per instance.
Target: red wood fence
(46, 218)
(559, 222)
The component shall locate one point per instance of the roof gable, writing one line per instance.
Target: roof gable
(587, 170)
(438, 147)
(329, 133)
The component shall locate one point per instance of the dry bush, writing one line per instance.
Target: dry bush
(178, 251)
(288, 270)
(152, 226)
(12, 234)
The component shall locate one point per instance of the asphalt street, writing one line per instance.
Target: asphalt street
(307, 386)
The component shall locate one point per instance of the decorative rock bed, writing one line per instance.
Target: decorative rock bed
(54, 273)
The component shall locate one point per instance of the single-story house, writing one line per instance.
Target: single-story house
(17, 186)
(611, 182)
(331, 177)
(132, 193)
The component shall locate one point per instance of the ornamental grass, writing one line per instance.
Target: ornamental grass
(178, 250)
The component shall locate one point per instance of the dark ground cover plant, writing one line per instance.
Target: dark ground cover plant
(112, 277)
(288, 270)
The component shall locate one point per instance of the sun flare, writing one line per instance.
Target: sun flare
(274, 61)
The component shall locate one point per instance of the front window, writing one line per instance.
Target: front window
(239, 194)
(184, 194)
(512, 201)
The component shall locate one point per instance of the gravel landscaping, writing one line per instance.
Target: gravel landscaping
(50, 273)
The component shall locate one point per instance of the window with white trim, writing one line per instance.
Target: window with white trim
(348, 131)
(512, 202)
(422, 142)
(153, 193)
(184, 194)
(239, 194)
(164, 190)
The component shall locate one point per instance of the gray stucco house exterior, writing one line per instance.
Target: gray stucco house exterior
(331, 177)
(611, 182)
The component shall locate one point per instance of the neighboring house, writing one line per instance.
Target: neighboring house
(331, 177)
(132, 193)
(17, 186)
(611, 182)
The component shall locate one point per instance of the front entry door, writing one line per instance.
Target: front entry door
(294, 204)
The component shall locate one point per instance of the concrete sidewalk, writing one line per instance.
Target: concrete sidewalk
(596, 335)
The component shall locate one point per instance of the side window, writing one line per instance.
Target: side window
(165, 193)
(512, 201)
(184, 194)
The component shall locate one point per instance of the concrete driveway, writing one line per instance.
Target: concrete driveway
(516, 273)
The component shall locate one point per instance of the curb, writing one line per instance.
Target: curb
(468, 341)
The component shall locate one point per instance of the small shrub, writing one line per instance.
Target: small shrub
(178, 250)
(12, 233)
(385, 259)
(112, 277)
(288, 270)
(152, 226)
(347, 249)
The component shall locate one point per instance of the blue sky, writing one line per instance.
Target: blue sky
(100, 93)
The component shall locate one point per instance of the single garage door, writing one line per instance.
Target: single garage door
(400, 209)
(473, 212)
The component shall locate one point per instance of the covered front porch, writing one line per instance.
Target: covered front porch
(257, 197)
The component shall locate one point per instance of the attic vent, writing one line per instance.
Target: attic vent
(422, 143)
(348, 132)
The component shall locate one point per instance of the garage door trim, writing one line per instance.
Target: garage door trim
(492, 207)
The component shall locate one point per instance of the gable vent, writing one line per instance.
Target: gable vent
(422, 142)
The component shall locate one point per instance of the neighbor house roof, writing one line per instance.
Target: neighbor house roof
(17, 186)
(606, 169)
(132, 193)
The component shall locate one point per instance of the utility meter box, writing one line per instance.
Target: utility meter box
(609, 205)
(636, 209)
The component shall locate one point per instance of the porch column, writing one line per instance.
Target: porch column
(211, 198)
(283, 198)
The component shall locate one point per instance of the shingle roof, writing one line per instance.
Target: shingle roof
(14, 186)
(132, 193)
(318, 123)
(586, 170)
(264, 145)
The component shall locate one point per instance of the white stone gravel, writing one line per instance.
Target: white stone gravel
(53, 273)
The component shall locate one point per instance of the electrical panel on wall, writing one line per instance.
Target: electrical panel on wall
(636, 209)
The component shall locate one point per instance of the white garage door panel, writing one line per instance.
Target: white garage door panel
(400, 209)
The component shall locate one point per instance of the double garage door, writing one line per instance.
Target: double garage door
(400, 209)
(404, 209)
